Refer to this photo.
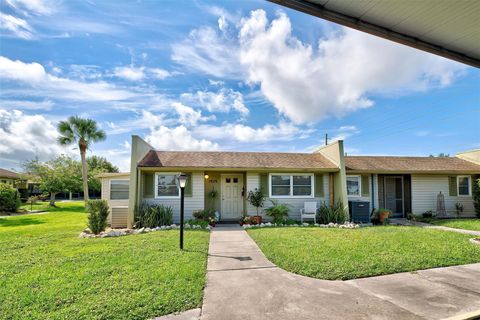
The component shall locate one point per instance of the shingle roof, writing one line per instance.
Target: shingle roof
(8, 174)
(266, 160)
(409, 164)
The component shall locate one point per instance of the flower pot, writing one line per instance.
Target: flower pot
(212, 223)
(383, 215)
(257, 219)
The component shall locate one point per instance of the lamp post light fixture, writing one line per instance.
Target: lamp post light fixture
(182, 181)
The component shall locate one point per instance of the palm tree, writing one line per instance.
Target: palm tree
(84, 132)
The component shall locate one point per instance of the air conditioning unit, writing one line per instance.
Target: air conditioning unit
(359, 211)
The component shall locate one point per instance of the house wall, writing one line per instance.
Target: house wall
(105, 194)
(472, 156)
(335, 153)
(295, 204)
(363, 198)
(193, 203)
(425, 189)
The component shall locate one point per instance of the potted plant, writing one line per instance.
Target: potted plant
(383, 214)
(256, 198)
(246, 220)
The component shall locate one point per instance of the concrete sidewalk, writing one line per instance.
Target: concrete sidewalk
(243, 284)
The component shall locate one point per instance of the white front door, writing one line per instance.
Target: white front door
(232, 199)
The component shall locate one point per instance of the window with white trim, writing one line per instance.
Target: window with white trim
(166, 185)
(119, 189)
(463, 186)
(353, 186)
(291, 185)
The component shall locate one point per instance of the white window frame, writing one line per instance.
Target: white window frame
(469, 178)
(110, 193)
(312, 184)
(156, 185)
(359, 178)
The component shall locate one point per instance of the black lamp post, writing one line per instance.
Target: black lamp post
(182, 181)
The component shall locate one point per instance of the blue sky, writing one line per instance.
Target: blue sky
(231, 75)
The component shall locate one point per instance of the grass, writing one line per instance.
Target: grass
(47, 272)
(40, 205)
(348, 254)
(468, 224)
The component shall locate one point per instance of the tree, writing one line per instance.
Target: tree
(98, 165)
(440, 155)
(84, 132)
(62, 174)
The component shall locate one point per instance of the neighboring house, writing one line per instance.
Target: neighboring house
(9, 177)
(115, 189)
(411, 184)
(402, 184)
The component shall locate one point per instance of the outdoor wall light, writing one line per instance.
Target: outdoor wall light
(182, 181)
(206, 176)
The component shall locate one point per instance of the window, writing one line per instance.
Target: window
(166, 185)
(291, 185)
(463, 185)
(119, 189)
(353, 186)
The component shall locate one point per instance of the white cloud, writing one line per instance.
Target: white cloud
(223, 100)
(27, 136)
(308, 83)
(18, 27)
(44, 84)
(343, 133)
(40, 7)
(209, 52)
(130, 73)
(177, 138)
(189, 116)
(160, 73)
(242, 133)
(44, 105)
(140, 73)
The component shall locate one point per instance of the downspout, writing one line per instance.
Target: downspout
(373, 195)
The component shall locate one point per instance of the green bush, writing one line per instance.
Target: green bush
(9, 198)
(335, 213)
(279, 212)
(97, 215)
(197, 222)
(150, 215)
(476, 196)
(206, 214)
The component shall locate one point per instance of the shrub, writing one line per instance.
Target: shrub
(206, 214)
(197, 222)
(9, 198)
(428, 214)
(148, 215)
(278, 212)
(476, 196)
(97, 215)
(335, 213)
(256, 198)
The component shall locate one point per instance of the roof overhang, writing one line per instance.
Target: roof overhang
(419, 172)
(234, 169)
(450, 29)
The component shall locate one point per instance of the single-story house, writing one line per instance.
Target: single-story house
(222, 180)
(9, 177)
(411, 184)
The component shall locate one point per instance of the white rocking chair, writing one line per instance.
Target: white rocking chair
(309, 211)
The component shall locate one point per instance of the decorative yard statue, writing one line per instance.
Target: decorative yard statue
(441, 205)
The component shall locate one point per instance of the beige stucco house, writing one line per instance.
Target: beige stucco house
(222, 180)
(9, 177)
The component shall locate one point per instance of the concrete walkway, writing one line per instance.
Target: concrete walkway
(405, 222)
(243, 284)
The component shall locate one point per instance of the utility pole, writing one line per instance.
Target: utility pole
(326, 138)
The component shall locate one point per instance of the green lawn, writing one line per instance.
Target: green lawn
(47, 272)
(357, 253)
(468, 224)
(40, 205)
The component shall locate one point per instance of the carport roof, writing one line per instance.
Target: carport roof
(447, 28)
